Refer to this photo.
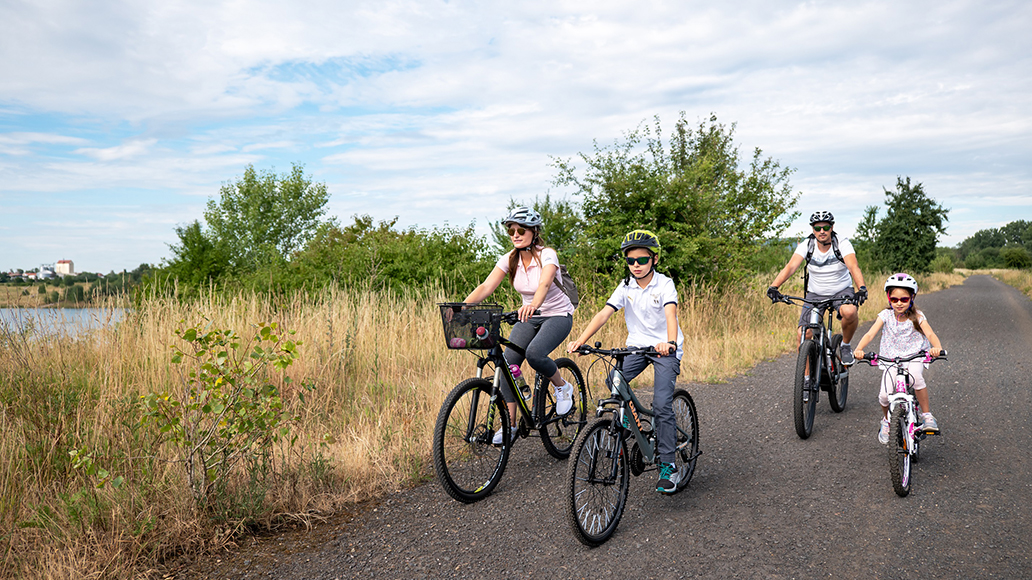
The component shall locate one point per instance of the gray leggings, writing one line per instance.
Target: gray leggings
(666, 369)
(539, 336)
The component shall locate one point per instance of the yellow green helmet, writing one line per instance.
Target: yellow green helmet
(640, 239)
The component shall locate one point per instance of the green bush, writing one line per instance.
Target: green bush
(1016, 257)
(942, 263)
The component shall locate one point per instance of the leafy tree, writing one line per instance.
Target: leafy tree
(263, 218)
(1016, 257)
(904, 240)
(711, 216)
(197, 259)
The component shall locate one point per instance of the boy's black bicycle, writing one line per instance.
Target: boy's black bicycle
(905, 430)
(598, 474)
(467, 463)
(818, 367)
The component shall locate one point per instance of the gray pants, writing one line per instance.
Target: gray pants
(539, 336)
(665, 369)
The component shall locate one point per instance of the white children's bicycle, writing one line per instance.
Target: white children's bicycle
(905, 430)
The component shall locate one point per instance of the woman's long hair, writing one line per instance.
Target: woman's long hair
(535, 247)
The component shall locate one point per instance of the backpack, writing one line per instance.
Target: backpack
(567, 285)
(810, 245)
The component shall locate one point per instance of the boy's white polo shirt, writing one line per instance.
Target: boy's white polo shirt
(643, 310)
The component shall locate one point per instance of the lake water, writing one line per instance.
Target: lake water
(58, 320)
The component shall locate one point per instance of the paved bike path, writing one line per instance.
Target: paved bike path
(762, 504)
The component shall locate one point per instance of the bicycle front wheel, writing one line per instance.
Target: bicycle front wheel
(467, 464)
(558, 432)
(899, 452)
(597, 479)
(687, 436)
(839, 387)
(805, 392)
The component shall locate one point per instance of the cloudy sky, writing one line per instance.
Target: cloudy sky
(119, 120)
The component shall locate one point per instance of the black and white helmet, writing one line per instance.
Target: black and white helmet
(822, 216)
(901, 280)
(524, 216)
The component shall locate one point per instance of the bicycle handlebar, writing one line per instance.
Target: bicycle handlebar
(616, 352)
(816, 303)
(873, 359)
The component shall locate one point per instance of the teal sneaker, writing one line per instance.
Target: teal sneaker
(668, 478)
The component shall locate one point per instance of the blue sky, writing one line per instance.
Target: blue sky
(119, 120)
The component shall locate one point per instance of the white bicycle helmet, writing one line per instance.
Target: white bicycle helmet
(524, 216)
(822, 216)
(901, 280)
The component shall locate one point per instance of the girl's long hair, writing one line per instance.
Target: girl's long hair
(913, 314)
(535, 247)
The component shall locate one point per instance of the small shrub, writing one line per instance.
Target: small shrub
(942, 263)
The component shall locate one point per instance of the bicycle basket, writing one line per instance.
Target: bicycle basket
(471, 327)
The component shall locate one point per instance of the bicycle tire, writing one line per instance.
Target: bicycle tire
(597, 479)
(899, 455)
(687, 420)
(805, 407)
(559, 433)
(839, 389)
(466, 463)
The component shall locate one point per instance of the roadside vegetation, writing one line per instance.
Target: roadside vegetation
(280, 366)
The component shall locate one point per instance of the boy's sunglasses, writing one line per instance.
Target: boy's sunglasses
(903, 299)
(822, 228)
(514, 231)
(640, 261)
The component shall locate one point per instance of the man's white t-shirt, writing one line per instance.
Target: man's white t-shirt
(644, 310)
(828, 275)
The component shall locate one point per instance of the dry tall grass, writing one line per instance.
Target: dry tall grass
(380, 370)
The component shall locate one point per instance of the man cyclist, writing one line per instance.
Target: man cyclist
(831, 271)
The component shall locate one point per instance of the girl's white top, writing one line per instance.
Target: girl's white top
(528, 279)
(900, 338)
(644, 310)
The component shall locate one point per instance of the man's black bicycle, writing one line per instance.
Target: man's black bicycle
(468, 464)
(818, 367)
(597, 476)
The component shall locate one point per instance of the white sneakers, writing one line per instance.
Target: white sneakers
(883, 432)
(563, 399)
(498, 436)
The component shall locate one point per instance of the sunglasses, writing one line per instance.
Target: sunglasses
(516, 231)
(822, 228)
(902, 300)
(640, 261)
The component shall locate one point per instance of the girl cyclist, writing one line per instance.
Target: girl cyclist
(650, 311)
(906, 332)
(531, 267)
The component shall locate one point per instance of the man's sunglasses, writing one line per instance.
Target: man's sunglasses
(516, 231)
(822, 228)
(640, 261)
(903, 299)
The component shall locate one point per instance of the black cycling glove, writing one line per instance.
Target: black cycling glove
(774, 294)
(861, 295)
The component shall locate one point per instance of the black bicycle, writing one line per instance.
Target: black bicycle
(467, 462)
(598, 475)
(818, 367)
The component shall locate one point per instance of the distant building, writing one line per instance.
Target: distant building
(65, 268)
(46, 272)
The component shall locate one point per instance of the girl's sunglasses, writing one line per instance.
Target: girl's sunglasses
(516, 231)
(640, 261)
(822, 228)
(902, 300)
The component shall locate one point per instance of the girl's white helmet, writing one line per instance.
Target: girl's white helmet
(901, 280)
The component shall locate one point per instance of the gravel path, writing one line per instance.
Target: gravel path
(762, 504)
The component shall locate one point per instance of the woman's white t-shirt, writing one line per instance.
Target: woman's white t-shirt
(528, 279)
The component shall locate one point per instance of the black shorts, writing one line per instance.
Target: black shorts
(804, 316)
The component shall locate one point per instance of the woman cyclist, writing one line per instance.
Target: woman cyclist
(531, 267)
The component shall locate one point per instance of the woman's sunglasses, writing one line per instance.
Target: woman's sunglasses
(902, 300)
(822, 228)
(516, 231)
(640, 261)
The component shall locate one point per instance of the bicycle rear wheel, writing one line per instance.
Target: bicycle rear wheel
(466, 463)
(899, 452)
(559, 432)
(805, 391)
(597, 479)
(839, 387)
(687, 436)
